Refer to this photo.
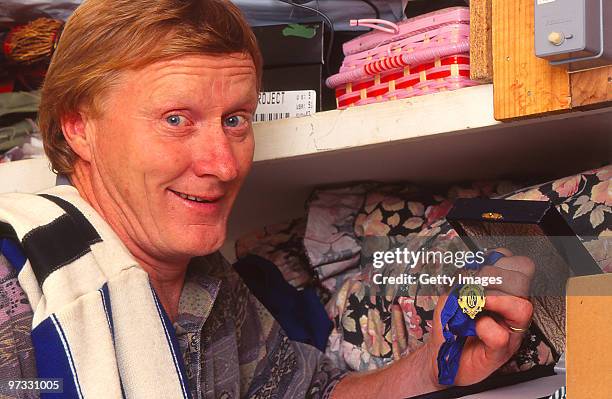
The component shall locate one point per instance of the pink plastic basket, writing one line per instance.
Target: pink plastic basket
(430, 53)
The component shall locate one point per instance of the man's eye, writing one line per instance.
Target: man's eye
(175, 120)
(234, 121)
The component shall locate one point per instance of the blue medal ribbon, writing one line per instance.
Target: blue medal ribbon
(457, 327)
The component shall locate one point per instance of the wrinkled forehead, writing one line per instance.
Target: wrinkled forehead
(208, 79)
(229, 64)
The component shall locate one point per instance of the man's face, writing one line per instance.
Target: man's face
(171, 150)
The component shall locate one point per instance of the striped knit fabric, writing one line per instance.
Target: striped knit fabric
(97, 322)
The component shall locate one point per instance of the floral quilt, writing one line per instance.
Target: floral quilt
(371, 331)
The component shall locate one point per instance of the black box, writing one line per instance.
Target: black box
(294, 59)
(537, 230)
(292, 44)
(475, 219)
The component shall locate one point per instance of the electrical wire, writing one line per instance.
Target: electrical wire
(331, 30)
(376, 10)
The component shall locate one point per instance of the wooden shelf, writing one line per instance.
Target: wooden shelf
(439, 113)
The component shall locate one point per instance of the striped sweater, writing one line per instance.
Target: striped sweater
(87, 309)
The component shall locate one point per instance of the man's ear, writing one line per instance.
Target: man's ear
(78, 134)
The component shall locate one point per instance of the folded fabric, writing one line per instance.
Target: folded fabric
(331, 284)
(394, 209)
(300, 313)
(16, 106)
(333, 269)
(97, 321)
(585, 201)
(401, 209)
(16, 134)
(330, 233)
(371, 331)
(283, 245)
(367, 333)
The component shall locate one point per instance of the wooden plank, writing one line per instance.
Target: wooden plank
(589, 340)
(481, 41)
(523, 84)
(592, 87)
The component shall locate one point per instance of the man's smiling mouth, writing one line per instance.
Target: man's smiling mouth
(195, 198)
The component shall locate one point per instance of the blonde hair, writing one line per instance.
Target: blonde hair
(104, 37)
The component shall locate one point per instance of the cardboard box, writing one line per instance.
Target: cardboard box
(589, 337)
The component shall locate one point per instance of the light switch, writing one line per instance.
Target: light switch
(573, 30)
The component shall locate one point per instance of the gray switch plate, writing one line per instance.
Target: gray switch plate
(577, 24)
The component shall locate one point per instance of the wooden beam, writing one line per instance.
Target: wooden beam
(588, 352)
(523, 84)
(592, 87)
(481, 41)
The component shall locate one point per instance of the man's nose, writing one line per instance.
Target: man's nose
(214, 155)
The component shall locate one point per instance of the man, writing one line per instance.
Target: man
(147, 109)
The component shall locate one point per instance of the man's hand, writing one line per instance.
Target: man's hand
(495, 342)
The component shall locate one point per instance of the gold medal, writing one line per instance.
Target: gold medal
(471, 299)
